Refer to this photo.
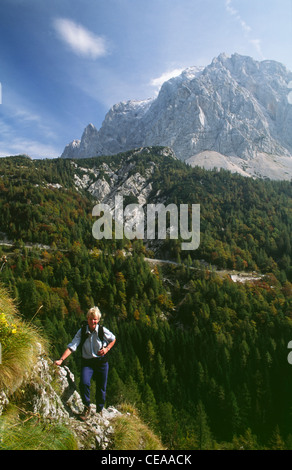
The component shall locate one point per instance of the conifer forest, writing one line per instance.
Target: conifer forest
(202, 355)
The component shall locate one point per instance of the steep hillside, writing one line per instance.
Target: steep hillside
(39, 402)
(244, 223)
(196, 349)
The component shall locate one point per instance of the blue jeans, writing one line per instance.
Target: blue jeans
(98, 370)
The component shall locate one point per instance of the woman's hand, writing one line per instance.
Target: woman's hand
(106, 349)
(63, 357)
(103, 351)
(59, 362)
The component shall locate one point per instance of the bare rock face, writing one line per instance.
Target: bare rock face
(122, 179)
(3, 401)
(235, 107)
(52, 393)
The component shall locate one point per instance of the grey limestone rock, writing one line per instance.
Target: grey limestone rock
(235, 107)
(51, 393)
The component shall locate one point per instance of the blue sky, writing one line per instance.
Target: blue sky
(64, 63)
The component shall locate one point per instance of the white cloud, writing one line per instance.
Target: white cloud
(32, 148)
(24, 131)
(232, 11)
(257, 44)
(229, 8)
(82, 41)
(14, 141)
(158, 82)
(245, 27)
(25, 118)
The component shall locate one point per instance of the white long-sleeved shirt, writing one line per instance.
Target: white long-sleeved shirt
(92, 344)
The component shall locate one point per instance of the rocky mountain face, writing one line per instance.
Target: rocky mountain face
(122, 177)
(234, 114)
(104, 181)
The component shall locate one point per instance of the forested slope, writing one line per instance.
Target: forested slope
(204, 359)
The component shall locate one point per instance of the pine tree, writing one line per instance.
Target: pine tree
(149, 407)
(115, 388)
(276, 442)
(247, 441)
(235, 420)
(202, 429)
(168, 424)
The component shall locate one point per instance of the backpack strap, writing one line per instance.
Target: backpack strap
(100, 332)
(84, 335)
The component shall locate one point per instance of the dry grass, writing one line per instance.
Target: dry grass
(20, 344)
(130, 433)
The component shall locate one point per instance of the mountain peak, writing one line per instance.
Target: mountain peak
(90, 131)
(235, 107)
(221, 58)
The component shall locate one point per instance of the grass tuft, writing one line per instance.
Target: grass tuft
(27, 431)
(20, 344)
(130, 433)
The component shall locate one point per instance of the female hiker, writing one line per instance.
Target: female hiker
(95, 342)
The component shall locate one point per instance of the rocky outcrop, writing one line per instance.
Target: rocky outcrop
(51, 393)
(120, 178)
(234, 114)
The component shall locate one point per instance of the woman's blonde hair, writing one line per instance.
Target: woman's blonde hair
(94, 312)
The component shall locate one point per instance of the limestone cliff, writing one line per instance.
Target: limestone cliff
(232, 114)
(51, 393)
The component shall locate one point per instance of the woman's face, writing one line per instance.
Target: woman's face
(92, 322)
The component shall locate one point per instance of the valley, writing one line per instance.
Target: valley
(197, 347)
